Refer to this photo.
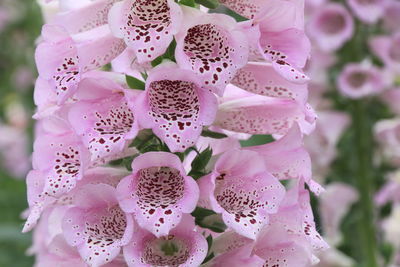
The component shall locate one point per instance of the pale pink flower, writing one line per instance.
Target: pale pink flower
(103, 118)
(391, 97)
(387, 133)
(50, 246)
(317, 67)
(78, 16)
(277, 16)
(391, 230)
(334, 204)
(390, 191)
(211, 45)
(291, 236)
(288, 50)
(232, 249)
(243, 191)
(176, 106)
(14, 153)
(246, 8)
(331, 26)
(387, 49)
(147, 27)
(359, 80)
(158, 192)
(321, 144)
(287, 158)
(368, 11)
(62, 59)
(96, 225)
(391, 18)
(262, 79)
(127, 63)
(243, 112)
(59, 160)
(182, 247)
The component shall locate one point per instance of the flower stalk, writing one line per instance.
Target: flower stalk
(364, 182)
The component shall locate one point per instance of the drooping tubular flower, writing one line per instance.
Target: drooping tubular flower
(291, 238)
(331, 26)
(262, 79)
(96, 225)
(181, 247)
(243, 191)
(288, 50)
(158, 192)
(211, 45)
(78, 18)
(387, 49)
(369, 11)
(244, 112)
(232, 249)
(62, 59)
(147, 27)
(360, 80)
(282, 40)
(104, 118)
(59, 161)
(387, 134)
(175, 106)
(287, 158)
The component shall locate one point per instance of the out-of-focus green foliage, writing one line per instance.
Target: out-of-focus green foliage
(17, 44)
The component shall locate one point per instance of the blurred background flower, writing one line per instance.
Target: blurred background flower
(20, 22)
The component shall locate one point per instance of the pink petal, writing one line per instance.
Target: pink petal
(146, 27)
(62, 59)
(212, 46)
(85, 18)
(105, 124)
(98, 228)
(175, 106)
(263, 115)
(158, 192)
(244, 198)
(286, 158)
(262, 79)
(146, 250)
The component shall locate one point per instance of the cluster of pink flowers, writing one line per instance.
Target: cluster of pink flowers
(141, 106)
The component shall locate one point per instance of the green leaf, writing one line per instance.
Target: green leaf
(208, 219)
(200, 212)
(144, 75)
(258, 139)
(208, 3)
(209, 242)
(128, 163)
(208, 133)
(200, 162)
(224, 10)
(190, 3)
(169, 55)
(208, 258)
(135, 83)
(157, 61)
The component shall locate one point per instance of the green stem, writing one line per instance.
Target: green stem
(364, 182)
